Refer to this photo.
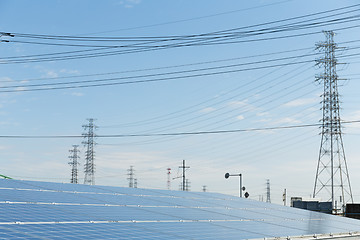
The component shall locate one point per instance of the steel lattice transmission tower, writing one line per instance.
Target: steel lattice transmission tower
(74, 157)
(89, 143)
(168, 178)
(268, 199)
(132, 180)
(332, 177)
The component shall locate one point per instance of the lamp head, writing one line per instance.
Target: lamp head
(227, 175)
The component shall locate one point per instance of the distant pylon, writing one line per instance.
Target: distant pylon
(89, 143)
(332, 177)
(268, 199)
(132, 180)
(74, 157)
(168, 178)
(187, 185)
(135, 182)
(184, 167)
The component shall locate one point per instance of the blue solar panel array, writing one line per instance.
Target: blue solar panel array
(41, 210)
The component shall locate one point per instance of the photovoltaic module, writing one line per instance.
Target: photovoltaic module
(43, 210)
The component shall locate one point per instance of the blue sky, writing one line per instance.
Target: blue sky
(268, 97)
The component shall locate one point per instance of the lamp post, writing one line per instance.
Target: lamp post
(227, 175)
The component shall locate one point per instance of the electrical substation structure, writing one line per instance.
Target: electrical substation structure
(332, 179)
(89, 143)
(74, 157)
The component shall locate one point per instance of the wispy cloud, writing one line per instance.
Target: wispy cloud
(129, 3)
(261, 114)
(352, 116)
(77, 94)
(240, 117)
(51, 73)
(69, 71)
(207, 110)
(238, 103)
(288, 120)
(301, 102)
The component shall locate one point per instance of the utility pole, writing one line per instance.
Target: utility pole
(168, 178)
(74, 157)
(184, 167)
(332, 176)
(268, 199)
(89, 143)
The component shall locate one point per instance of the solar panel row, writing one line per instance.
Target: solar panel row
(40, 210)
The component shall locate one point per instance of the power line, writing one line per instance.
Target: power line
(43, 87)
(160, 68)
(197, 39)
(160, 47)
(174, 134)
(91, 38)
(165, 67)
(194, 18)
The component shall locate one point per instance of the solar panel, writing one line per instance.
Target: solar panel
(41, 210)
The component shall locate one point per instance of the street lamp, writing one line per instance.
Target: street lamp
(227, 175)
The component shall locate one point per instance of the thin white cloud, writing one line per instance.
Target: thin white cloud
(207, 110)
(238, 103)
(5, 79)
(261, 114)
(288, 120)
(353, 116)
(51, 74)
(129, 3)
(20, 89)
(77, 94)
(240, 117)
(301, 102)
(69, 71)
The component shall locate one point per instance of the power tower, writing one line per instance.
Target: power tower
(74, 157)
(187, 185)
(89, 143)
(184, 167)
(268, 199)
(168, 178)
(132, 180)
(332, 176)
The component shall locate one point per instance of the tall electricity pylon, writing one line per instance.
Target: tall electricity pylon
(132, 180)
(89, 144)
(74, 157)
(332, 177)
(168, 178)
(268, 198)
